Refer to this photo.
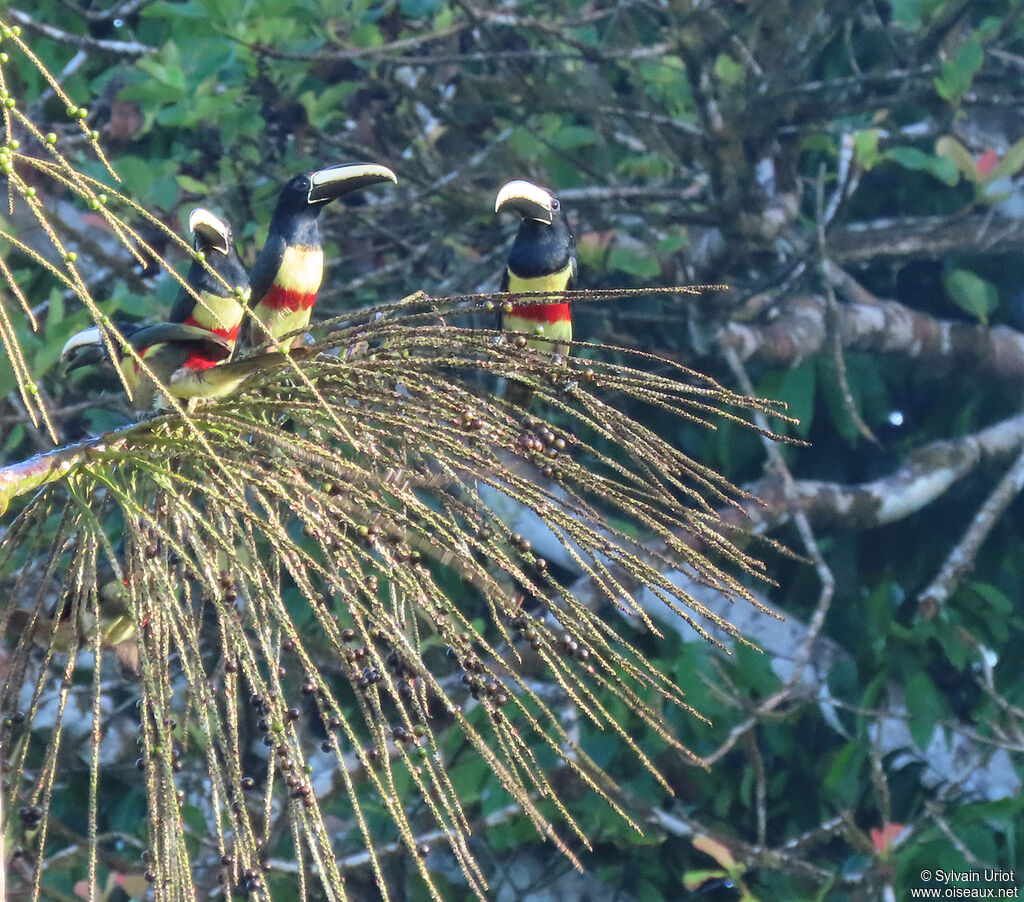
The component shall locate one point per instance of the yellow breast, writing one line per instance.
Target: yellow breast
(301, 270)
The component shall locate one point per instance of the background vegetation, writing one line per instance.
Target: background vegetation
(851, 171)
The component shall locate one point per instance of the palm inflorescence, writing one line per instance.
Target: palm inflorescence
(340, 574)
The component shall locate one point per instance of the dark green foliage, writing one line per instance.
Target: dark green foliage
(614, 102)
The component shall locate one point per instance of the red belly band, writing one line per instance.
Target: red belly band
(279, 298)
(543, 313)
(229, 334)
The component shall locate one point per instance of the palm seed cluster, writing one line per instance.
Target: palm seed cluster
(338, 580)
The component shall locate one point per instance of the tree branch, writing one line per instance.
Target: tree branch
(888, 327)
(923, 476)
(931, 237)
(81, 41)
(961, 558)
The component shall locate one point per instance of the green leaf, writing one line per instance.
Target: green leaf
(170, 75)
(727, 70)
(971, 293)
(906, 12)
(912, 158)
(570, 137)
(633, 262)
(797, 387)
(958, 72)
(1010, 164)
(648, 892)
(163, 9)
(17, 434)
(366, 35)
(164, 193)
(192, 185)
(865, 146)
(1000, 604)
(673, 242)
(137, 175)
(925, 706)
(418, 9)
(947, 146)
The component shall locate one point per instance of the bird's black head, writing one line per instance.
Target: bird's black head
(544, 243)
(306, 194)
(310, 191)
(212, 236)
(294, 197)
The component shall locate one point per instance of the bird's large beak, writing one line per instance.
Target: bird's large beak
(84, 348)
(209, 230)
(527, 199)
(337, 181)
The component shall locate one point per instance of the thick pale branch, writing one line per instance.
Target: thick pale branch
(28, 475)
(886, 327)
(930, 237)
(922, 477)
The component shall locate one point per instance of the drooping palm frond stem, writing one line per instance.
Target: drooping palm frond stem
(313, 585)
(346, 519)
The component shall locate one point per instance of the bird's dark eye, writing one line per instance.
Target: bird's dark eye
(555, 205)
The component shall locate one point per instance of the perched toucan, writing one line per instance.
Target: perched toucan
(186, 352)
(290, 268)
(543, 258)
(222, 296)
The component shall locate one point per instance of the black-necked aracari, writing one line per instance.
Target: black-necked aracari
(288, 272)
(223, 293)
(185, 353)
(543, 258)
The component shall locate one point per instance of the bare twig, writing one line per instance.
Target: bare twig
(81, 41)
(825, 577)
(961, 559)
(760, 785)
(832, 306)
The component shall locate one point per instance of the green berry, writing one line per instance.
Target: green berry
(94, 135)
(30, 192)
(82, 112)
(16, 31)
(102, 198)
(71, 256)
(72, 111)
(51, 138)
(4, 57)
(200, 256)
